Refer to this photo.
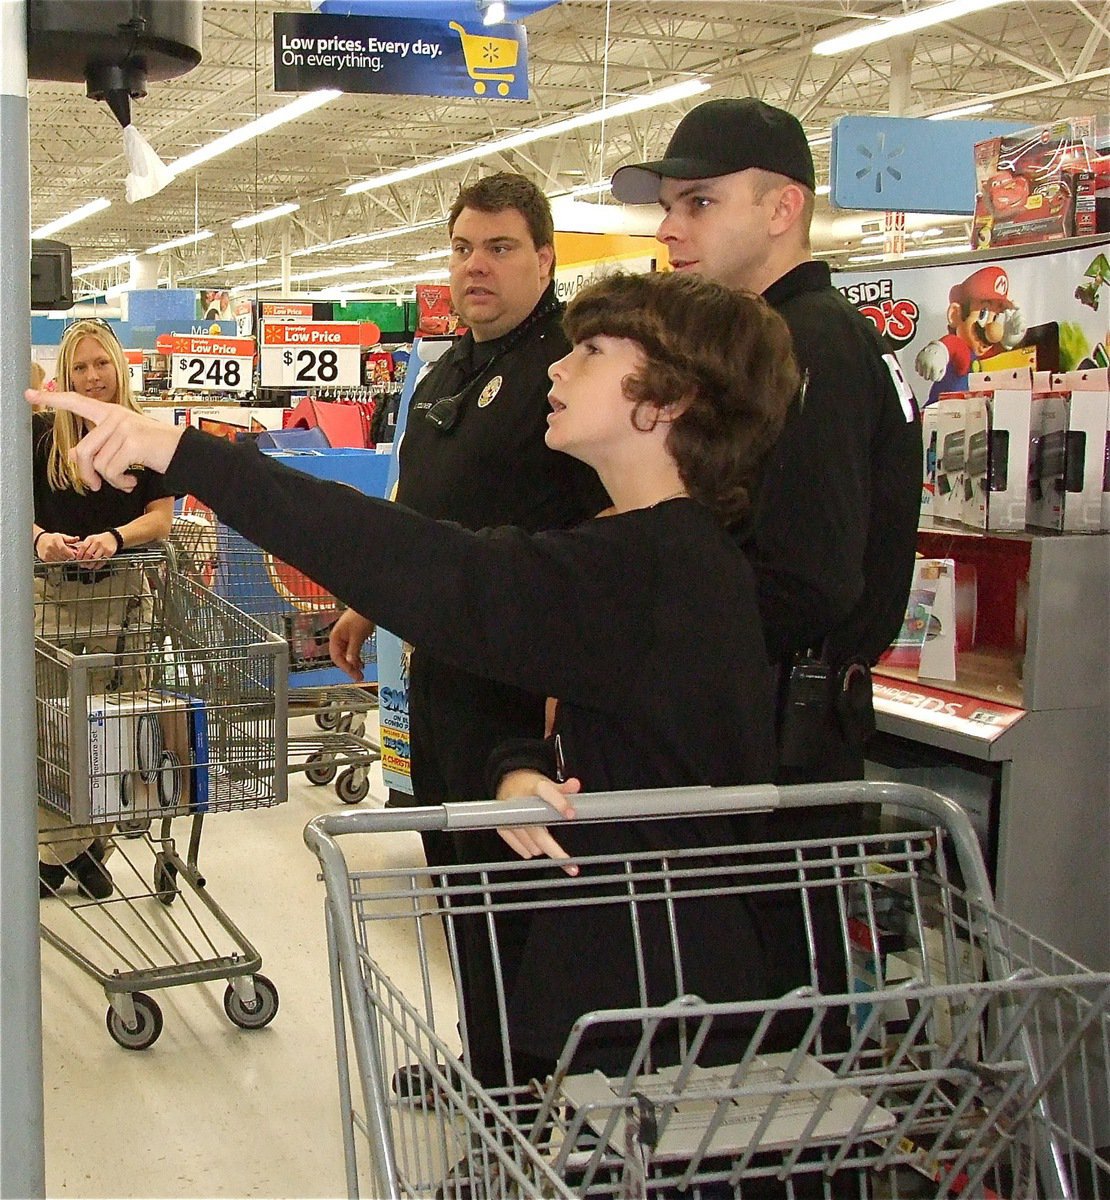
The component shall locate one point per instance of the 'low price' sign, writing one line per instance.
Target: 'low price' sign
(211, 364)
(320, 354)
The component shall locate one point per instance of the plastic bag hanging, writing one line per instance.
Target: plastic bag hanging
(148, 174)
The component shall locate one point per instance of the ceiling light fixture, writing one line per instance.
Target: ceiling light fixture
(965, 110)
(921, 18)
(106, 265)
(822, 139)
(822, 189)
(378, 265)
(377, 236)
(431, 255)
(280, 116)
(632, 104)
(268, 214)
(493, 11)
(224, 268)
(425, 277)
(78, 214)
(256, 285)
(188, 240)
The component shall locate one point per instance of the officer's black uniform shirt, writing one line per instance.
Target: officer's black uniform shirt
(835, 523)
(493, 467)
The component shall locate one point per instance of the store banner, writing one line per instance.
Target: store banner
(399, 56)
(1042, 310)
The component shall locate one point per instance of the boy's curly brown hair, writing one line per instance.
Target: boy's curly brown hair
(722, 356)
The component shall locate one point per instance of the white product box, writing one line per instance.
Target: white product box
(1087, 459)
(951, 459)
(929, 417)
(1047, 457)
(997, 449)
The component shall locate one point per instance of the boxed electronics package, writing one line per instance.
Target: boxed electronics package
(997, 433)
(148, 756)
(1085, 486)
(1042, 183)
(951, 461)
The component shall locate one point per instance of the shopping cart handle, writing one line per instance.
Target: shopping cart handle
(611, 806)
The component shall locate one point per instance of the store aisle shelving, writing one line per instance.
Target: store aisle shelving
(211, 1110)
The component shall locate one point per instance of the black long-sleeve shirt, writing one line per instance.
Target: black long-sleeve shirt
(835, 522)
(644, 624)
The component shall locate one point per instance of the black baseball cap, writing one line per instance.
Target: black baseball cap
(720, 137)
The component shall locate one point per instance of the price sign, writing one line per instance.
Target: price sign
(317, 354)
(211, 364)
(135, 370)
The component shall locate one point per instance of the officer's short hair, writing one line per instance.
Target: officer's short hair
(722, 356)
(506, 189)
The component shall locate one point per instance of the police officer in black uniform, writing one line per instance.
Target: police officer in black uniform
(474, 452)
(834, 526)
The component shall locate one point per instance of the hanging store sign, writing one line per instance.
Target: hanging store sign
(211, 364)
(399, 56)
(320, 354)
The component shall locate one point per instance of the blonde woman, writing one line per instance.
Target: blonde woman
(81, 603)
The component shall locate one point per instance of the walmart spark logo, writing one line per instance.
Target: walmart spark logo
(879, 162)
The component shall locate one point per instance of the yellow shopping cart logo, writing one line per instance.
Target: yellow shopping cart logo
(488, 59)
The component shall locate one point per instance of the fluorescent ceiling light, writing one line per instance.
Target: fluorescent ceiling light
(425, 277)
(280, 116)
(224, 268)
(256, 285)
(822, 189)
(822, 139)
(377, 236)
(106, 265)
(380, 264)
(431, 254)
(879, 30)
(268, 214)
(967, 110)
(493, 12)
(78, 214)
(632, 104)
(173, 244)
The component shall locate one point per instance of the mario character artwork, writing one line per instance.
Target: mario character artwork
(982, 321)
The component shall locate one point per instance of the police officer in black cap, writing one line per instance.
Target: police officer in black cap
(834, 529)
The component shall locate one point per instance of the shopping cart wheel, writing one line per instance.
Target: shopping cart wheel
(147, 1028)
(134, 829)
(165, 879)
(353, 785)
(320, 768)
(328, 719)
(257, 1013)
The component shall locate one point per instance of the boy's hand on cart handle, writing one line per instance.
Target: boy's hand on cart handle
(57, 547)
(535, 841)
(120, 440)
(345, 642)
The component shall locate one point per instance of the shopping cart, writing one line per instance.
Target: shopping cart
(959, 1056)
(301, 612)
(488, 59)
(155, 699)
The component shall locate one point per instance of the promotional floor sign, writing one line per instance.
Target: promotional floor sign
(393, 653)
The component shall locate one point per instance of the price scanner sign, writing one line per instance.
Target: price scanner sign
(320, 354)
(211, 364)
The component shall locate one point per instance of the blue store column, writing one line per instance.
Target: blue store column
(22, 1167)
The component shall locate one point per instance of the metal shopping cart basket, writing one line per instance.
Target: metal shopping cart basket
(957, 1055)
(289, 604)
(155, 700)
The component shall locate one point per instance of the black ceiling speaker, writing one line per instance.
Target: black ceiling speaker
(113, 46)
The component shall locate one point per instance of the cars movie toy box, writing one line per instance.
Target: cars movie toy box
(1027, 183)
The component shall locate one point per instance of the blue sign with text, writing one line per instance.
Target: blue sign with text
(397, 56)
